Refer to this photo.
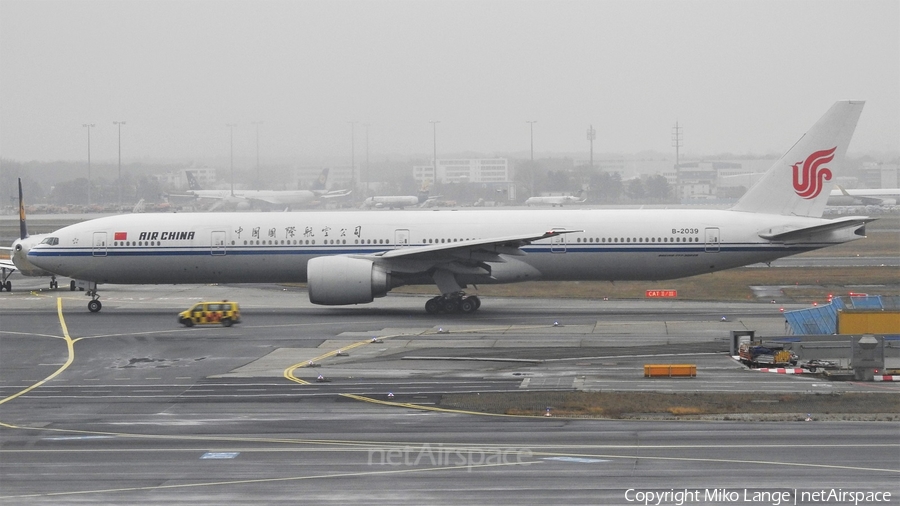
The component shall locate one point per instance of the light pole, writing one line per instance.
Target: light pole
(352, 154)
(677, 143)
(257, 123)
(89, 126)
(231, 150)
(434, 160)
(591, 135)
(119, 185)
(368, 176)
(531, 126)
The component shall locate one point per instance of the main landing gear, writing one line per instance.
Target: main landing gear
(457, 302)
(5, 283)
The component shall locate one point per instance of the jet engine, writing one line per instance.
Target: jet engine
(337, 280)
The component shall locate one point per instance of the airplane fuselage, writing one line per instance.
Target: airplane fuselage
(392, 201)
(275, 197)
(553, 201)
(275, 247)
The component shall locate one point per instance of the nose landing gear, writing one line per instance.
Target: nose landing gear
(94, 305)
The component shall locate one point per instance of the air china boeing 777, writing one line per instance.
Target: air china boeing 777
(354, 257)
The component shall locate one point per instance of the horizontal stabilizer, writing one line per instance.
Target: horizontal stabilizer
(792, 234)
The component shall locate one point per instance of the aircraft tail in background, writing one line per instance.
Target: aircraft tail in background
(193, 184)
(319, 184)
(800, 182)
(23, 227)
(18, 252)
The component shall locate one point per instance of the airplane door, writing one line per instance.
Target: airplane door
(558, 242)
(99, 244)
(218, 242)
(712, 240)
(401, 237)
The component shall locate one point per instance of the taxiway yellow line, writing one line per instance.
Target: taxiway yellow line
(70, 345)
(289, 372)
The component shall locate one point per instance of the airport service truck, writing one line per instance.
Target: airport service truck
(756, 355)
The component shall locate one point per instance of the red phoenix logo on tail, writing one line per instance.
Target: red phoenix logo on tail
(808, 181)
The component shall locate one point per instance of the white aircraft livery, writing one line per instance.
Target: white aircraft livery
(352, 257)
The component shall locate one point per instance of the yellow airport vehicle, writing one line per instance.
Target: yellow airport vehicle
(222, 312)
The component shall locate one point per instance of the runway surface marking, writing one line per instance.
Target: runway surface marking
(542, 455)
(70, 345)
(289, 372)
(467, 467)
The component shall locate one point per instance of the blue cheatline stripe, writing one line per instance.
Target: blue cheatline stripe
(356, 250)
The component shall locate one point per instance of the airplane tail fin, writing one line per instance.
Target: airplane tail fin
(193, 184)
(799, 183)
(23, 228)
(319, 183)
(424, 192)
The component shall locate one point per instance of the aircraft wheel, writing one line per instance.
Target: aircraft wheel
(2, 287)
(450, 305)
(467, 305)
(54, 285)
(477, 301)
(72, 285)
(8, 286)
(226, 322)
(94, 306)
(432, 307)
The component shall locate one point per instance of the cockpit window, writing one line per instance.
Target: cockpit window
(52, 241)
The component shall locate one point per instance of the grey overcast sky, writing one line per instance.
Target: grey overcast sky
(739, 76)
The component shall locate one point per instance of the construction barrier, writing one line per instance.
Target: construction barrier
(670, 371)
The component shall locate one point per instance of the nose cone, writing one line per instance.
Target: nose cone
(21, 247)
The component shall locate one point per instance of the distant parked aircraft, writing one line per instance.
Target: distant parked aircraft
(875, 197)
(554, 201)
(268, 199)
(400, 201)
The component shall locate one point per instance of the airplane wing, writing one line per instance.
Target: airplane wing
(333, 194)
(272, 201)
(863, 199)
(6, 263)
(804, 232)
(461, 256)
